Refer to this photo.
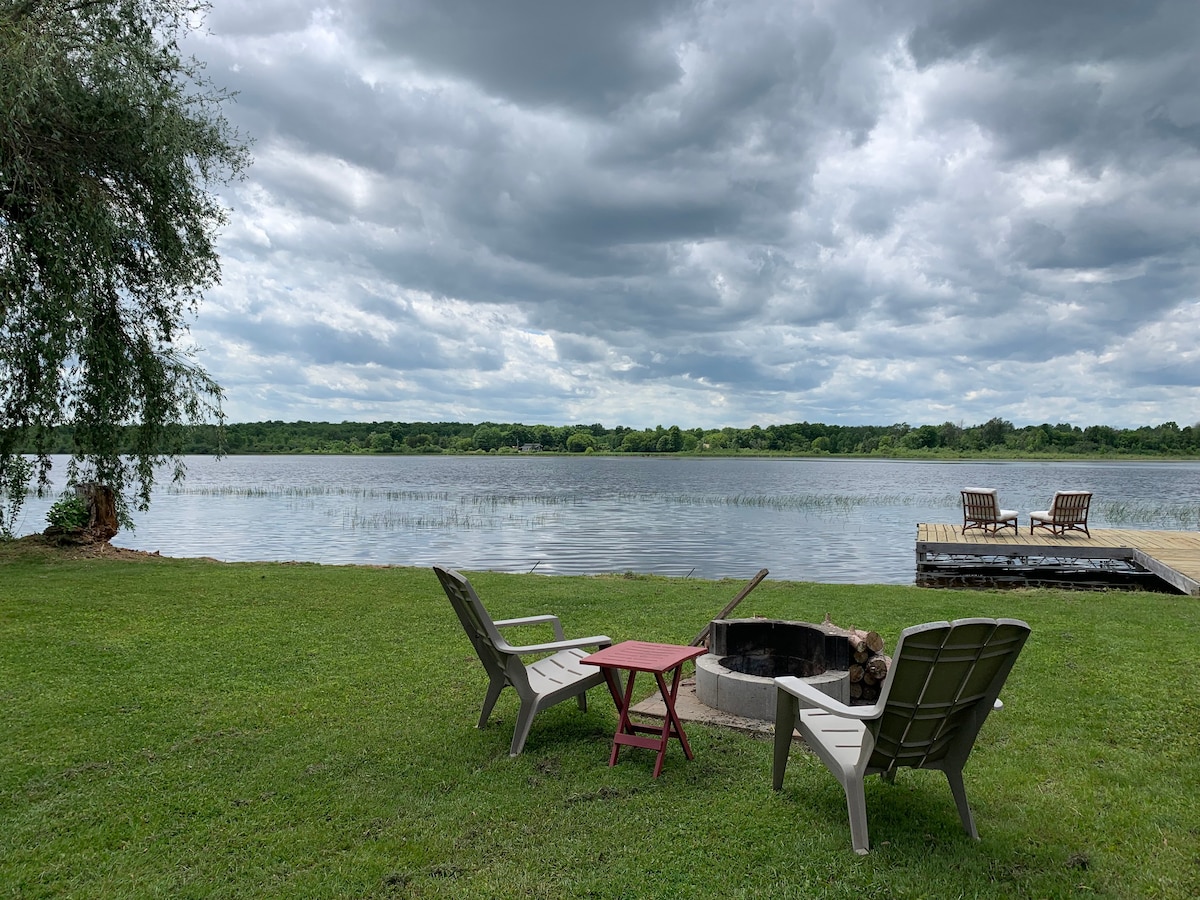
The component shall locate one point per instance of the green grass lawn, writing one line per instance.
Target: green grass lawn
(182, 728)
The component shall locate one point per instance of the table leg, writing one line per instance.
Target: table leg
(614, 685)
(666, 725)
(675, 720)
(630, 733)
(624, 704)
(671, 725)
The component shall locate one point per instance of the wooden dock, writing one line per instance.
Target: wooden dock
(945, 555)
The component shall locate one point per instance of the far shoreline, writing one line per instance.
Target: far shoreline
(714, 455)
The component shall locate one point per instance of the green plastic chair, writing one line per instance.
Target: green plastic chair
(944, 679)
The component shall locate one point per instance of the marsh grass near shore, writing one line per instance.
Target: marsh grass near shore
(382, 509)
(1180, 516)
(446, 510)
(185, 728)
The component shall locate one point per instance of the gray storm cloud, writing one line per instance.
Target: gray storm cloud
(717, 213)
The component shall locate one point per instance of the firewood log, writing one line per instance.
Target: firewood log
(877, 667)
(871, 640)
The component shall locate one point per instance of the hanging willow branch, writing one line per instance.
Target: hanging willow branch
(110, 144)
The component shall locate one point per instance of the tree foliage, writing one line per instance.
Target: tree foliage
(996, 438)
(111, 144)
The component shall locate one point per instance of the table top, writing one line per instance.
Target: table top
(642, 656)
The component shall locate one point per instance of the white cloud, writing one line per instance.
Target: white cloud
(717, 213)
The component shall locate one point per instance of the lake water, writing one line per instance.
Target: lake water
(831, 520)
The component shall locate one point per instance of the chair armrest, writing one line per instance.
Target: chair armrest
(535, 620)
(596, 640)
(811, 697)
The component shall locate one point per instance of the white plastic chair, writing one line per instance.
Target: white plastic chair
(944, 679)
(555, 676)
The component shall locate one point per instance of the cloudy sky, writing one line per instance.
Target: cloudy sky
(736, 212)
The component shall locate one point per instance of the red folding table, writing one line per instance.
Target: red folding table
(659, 659)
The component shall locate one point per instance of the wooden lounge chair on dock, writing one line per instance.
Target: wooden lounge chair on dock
(1068, 512)
(982, 510)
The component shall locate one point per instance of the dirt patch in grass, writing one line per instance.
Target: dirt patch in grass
(40, 546)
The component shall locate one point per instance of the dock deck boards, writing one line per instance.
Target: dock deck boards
(1173, 556)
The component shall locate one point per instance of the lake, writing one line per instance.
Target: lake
(821, 519)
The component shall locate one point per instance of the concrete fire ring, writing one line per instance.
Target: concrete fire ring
(753, 696)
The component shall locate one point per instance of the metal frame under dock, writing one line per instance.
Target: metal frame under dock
(1152, 560)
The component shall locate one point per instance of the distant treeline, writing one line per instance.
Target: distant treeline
(996, 437)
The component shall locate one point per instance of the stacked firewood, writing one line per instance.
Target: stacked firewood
(868, 665)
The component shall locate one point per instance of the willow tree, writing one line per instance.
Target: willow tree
(112, 145)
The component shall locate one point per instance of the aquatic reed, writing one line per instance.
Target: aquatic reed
(1161, 515)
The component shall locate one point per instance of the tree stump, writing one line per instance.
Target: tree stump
(102, 510)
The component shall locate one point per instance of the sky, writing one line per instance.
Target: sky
(737, 212)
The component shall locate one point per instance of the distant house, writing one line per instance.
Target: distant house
(530, 448)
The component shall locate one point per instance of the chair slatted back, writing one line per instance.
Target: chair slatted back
(980, 507)
(1070, 507)
(476, 622)
(944, 678)
(980, 504)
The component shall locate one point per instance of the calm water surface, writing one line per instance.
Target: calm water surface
(849, 521)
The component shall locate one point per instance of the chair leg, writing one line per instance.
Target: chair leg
(856, 805)
(489, 702)
(581, 699)
(787, 708)
(960, 800)
(521, 731)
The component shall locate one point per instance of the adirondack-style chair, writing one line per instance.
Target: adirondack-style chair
(1068, 512)
(982, 510)
(944, 680)
(554, 676)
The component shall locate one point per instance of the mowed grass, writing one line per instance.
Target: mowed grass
(182, 728)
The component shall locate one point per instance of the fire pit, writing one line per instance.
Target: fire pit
(746, 655)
